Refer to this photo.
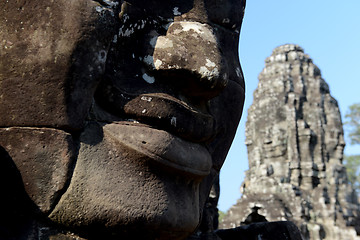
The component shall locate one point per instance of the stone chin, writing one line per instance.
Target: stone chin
(122, 188)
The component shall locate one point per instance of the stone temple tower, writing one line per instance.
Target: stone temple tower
(295, 143)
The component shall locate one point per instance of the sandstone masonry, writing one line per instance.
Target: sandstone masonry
(295, 143)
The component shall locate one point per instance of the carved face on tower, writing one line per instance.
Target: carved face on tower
(118, 115)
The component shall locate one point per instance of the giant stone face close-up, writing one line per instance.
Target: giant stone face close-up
(116, 116)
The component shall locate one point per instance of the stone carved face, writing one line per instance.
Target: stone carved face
(334, 135)
(275, 142)
(118, 115)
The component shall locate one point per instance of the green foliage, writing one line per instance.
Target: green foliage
(352, 164)
(221, 215)
(353, 122)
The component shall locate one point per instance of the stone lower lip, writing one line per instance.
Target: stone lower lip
(162, 147)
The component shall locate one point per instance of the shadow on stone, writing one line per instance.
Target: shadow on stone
(264, 231)
(15, 205)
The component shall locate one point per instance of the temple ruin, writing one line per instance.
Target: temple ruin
(295, 144)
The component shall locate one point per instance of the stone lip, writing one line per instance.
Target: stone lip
(164, 110)
(163, 147)
(117, 189)
(171, 114)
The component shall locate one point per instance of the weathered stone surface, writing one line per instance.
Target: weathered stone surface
(52, 55)
(44, 158)
(146, 90)
(295, 146)
(210, 217)
(116, 182)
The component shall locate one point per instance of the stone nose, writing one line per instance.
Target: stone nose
(188, 57)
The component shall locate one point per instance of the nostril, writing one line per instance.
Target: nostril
(196, 74)
(191, 83)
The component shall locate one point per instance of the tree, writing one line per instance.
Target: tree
(352, 162)
(353, 117)
(221, 215)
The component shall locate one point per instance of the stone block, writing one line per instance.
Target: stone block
(44, 158)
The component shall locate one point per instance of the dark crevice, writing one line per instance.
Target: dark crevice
(75, 142)
(74, 146)
(64, 129)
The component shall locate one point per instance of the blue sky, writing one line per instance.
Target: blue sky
(328, 30)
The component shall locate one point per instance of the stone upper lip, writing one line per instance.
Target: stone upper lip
(168, 113)
(168, 130)
(158, 109)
